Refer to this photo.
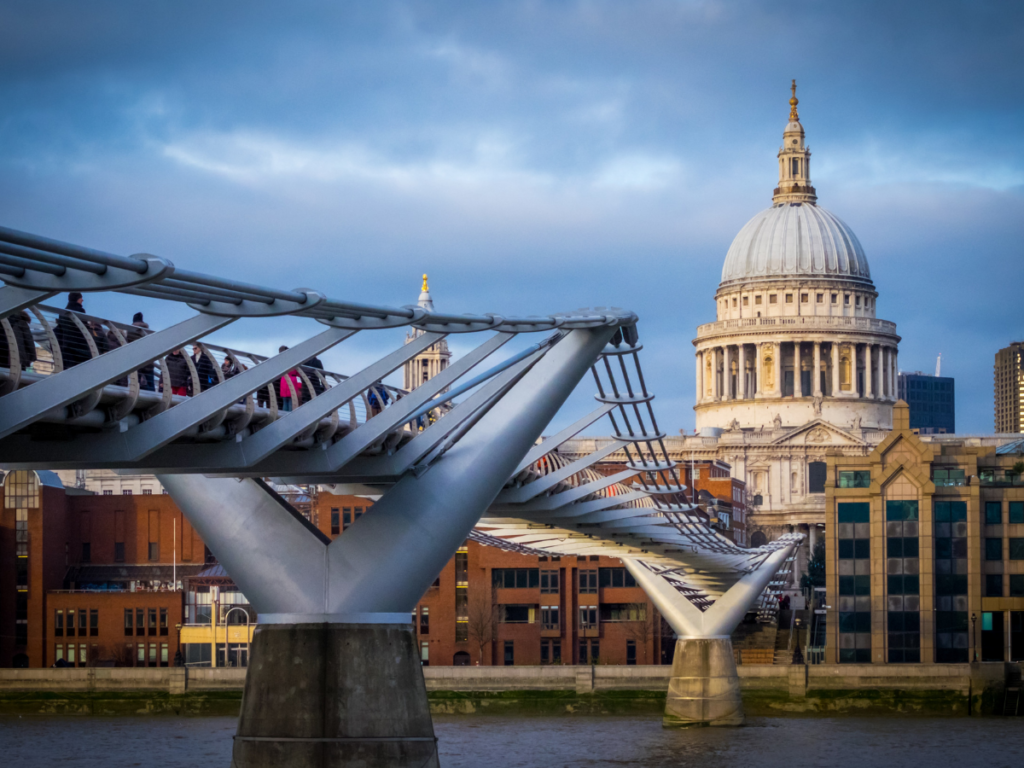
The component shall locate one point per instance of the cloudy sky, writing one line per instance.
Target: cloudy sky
(532, 157)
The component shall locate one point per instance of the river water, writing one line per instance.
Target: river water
(550, 742)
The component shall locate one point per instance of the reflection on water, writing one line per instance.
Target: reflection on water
(545, 742)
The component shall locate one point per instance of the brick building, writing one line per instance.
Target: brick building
(79, 572)
(101, 579)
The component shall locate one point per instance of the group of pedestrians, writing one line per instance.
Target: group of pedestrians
(74, 334)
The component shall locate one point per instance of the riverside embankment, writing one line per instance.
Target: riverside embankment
(931, 689)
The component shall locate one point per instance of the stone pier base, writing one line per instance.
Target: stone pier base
(704, 689)
(334, 695)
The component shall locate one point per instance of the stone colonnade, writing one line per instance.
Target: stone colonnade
(749, 370)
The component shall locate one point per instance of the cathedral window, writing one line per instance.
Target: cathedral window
(734, 302)
(858, 301)
(821, 298)
(789, 298)
(746, 301)
(803, 298)
(835, 298)
(795, 166)
(757, 300)
(773, 299)
(846, 299)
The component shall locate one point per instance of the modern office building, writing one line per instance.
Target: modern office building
(925, 550)
(932, 402)
(1008, 388)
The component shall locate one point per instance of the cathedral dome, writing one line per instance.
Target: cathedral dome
(800, 240)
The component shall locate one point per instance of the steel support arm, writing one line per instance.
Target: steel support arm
(14, 299)
(551, 443)
(549, 481)
(30, 403)
(420, 523)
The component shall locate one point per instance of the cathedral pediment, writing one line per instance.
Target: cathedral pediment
(818, 432)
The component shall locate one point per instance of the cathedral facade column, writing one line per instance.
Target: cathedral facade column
(868, 371)
(798, 387)
(895, 374)
(742, 377)
(816, 373)
(777, 354)
(727, 372)
(835, 369)
(759, 367)
(699, 357)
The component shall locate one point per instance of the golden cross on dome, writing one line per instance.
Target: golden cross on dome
(793, 116)
(425, 288)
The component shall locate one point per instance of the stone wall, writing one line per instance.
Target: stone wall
(960, 689)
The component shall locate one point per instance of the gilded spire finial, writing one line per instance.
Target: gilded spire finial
(425, 288)
(793, 116)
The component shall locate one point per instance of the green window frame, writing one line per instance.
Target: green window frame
(1017, 511)
(1017, 549)
(993, 512)
(854, 479)
(993, 549)
(1017, 585)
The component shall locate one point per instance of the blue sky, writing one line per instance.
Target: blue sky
(532, 157)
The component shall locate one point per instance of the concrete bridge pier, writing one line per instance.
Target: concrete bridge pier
(334, 695)
(704, 688)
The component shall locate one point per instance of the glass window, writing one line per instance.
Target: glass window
(549, 582)
(94, 622)
(119, 552)
(1017, 511)
(773, 299)
(588, 617)
(71, 622)
(993, 585)
(335, 521)
(900, 510)
(854, 512)
(58, 623)
(128, 621)
(588, 582)
(1017, 549)
(164, 659)
(163, 621)
(993, 549)
(21, 490)
(424, 620)
(152, 622)
(1016, 585)
(993, 512)
(789, 298)
(855, 479)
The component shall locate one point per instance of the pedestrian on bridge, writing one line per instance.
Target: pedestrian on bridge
(73, 347)
(178, 373)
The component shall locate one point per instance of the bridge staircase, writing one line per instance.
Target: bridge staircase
(754, 643)
(783, 651)
(1012, 698)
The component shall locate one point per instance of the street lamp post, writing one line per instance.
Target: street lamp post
(179, 658)
(974, 633)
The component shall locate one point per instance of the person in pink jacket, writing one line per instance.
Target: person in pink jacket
(289, 385)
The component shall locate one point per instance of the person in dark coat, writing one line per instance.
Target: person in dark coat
(204, 367)
(73, 347)
(318, 385)
(178, 372)
(147, 375)
(26, 346)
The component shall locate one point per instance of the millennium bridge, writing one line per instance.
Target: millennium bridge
(335, 677)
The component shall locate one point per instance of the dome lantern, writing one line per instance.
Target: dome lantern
(794, 162)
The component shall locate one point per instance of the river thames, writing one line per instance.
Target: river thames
(525, 742)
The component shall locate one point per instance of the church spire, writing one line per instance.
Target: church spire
(794, 161)
(425, 300)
